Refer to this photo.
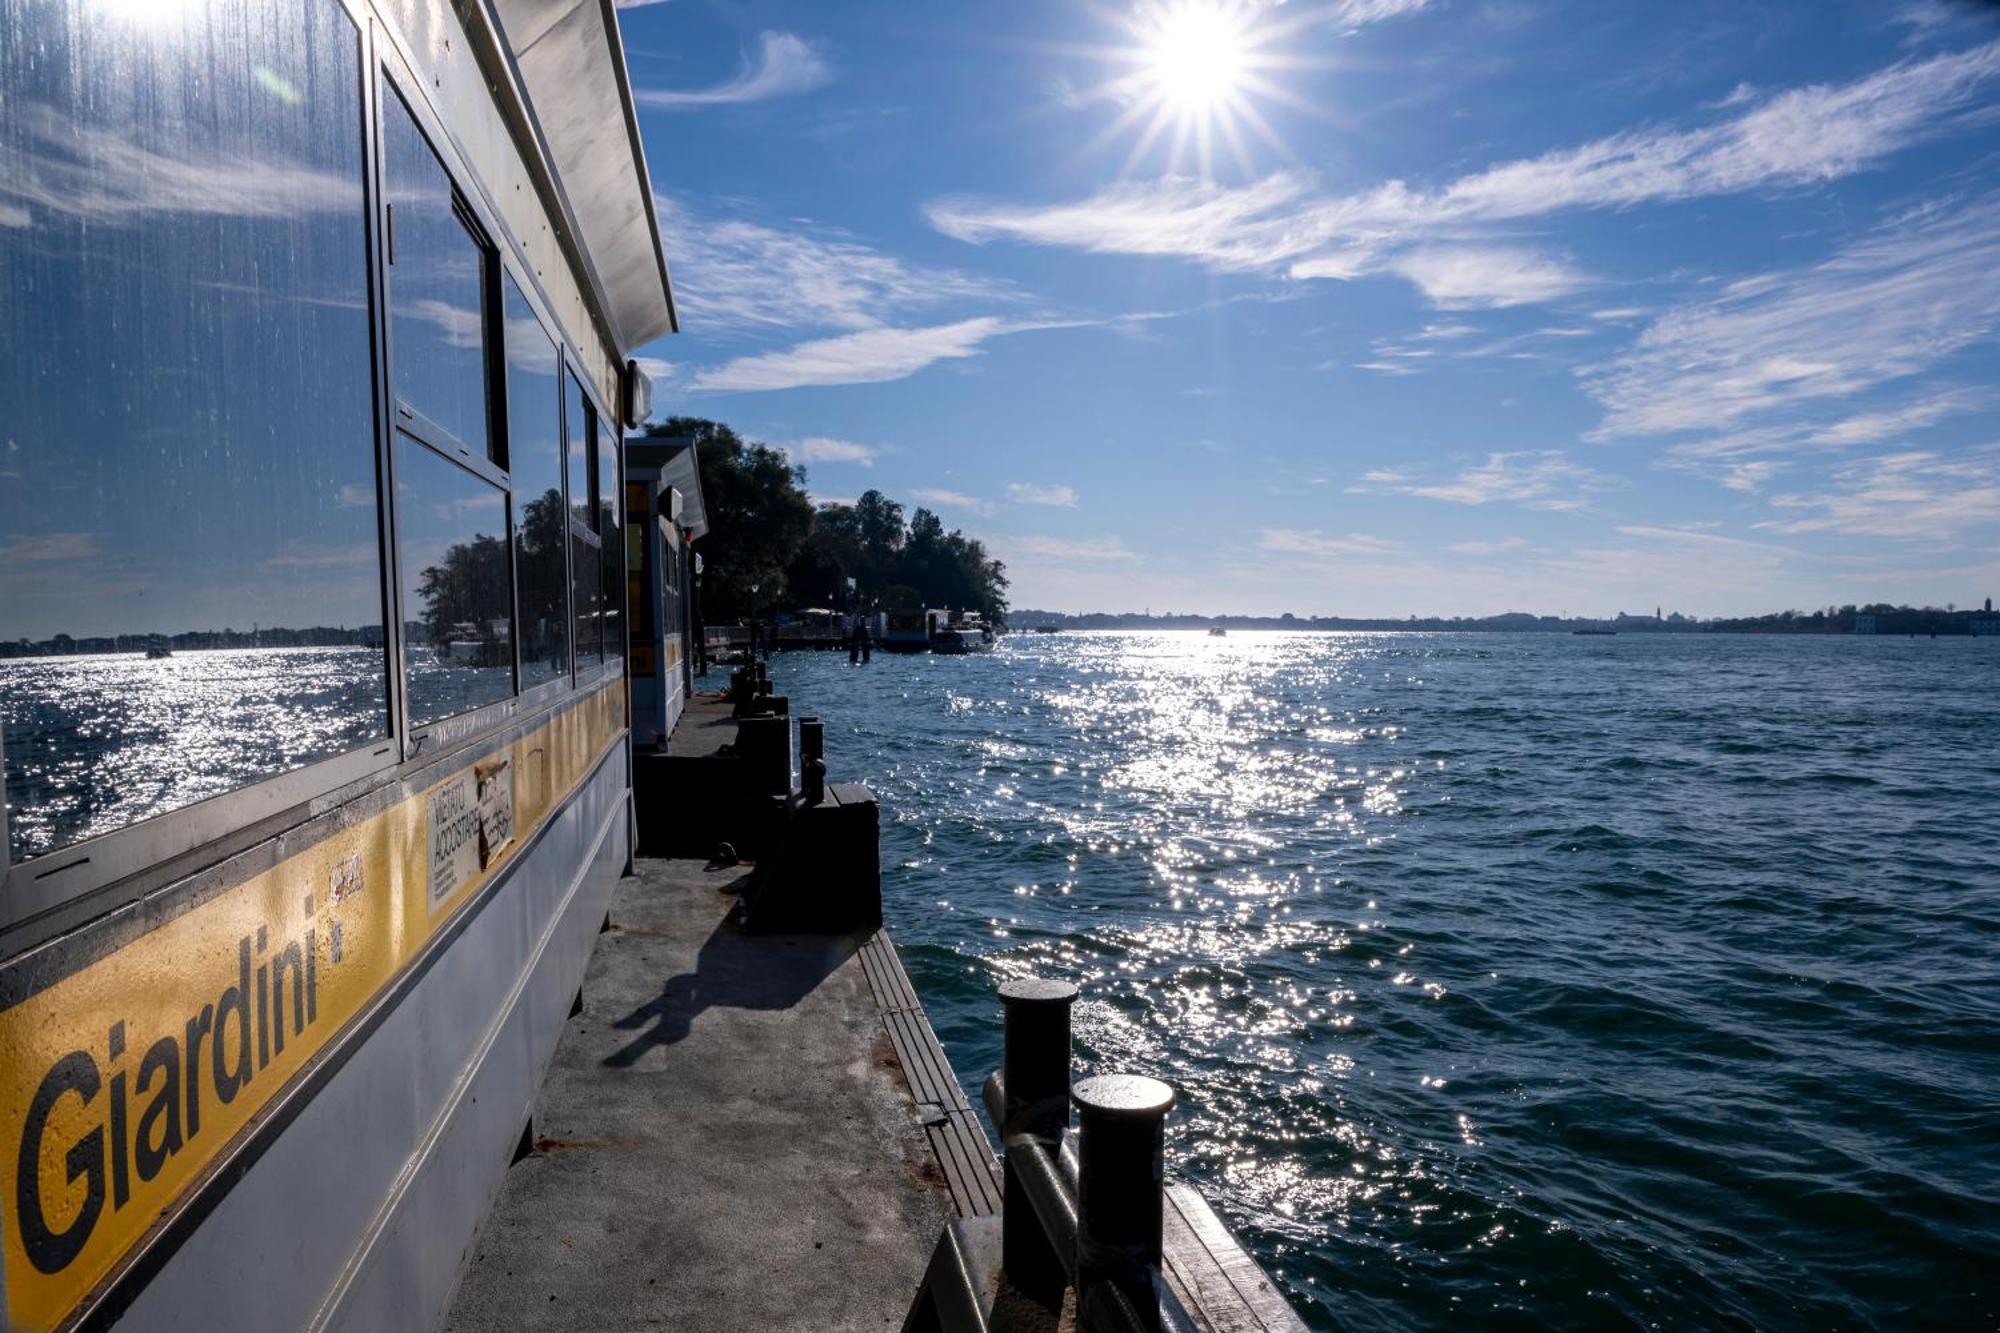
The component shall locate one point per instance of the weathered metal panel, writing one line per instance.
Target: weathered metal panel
(360, 1212)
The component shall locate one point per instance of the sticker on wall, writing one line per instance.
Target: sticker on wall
(496, 807)
(454, 819)
(344, 880)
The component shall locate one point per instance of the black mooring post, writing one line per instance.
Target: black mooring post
(1034, 1071)
(812, 759)
(1120, 1192)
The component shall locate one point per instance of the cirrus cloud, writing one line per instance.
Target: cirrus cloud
(1027, 493)
(785, 65)
(1286, 223)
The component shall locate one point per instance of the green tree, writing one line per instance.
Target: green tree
(758, 515)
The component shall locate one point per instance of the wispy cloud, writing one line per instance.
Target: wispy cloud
(1695, 537)
(1874, 427)
(871, 356)
(1027, 493)
(1359, 13)
(1891, 305)
(50, 164)
(1285, 223)
(1536, 478)
(1296, 541)
(1913, 496)
(51, 546)
(785, 65)
(1500, 546)
(1463, 277)
(949, 499)
(1073, 550)
(733, 274)
(823, 449)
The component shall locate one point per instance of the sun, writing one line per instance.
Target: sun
(1195, 55)
(1191, 74)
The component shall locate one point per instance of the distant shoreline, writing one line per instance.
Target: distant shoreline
(1879, 619)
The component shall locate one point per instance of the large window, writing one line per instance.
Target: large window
(585, 543)
(190, 587)
(535, 448)
(451, 512)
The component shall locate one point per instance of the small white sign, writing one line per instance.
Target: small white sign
(472, 821)
(454, 811)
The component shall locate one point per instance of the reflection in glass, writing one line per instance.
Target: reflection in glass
(610, 544)
(458, 626)
(586, 566)
(190, 588)
(579, 427)
(437, 286)
(535, 449)
(586, 559)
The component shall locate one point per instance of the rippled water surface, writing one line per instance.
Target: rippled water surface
(1506, 979)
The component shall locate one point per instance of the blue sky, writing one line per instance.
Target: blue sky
(1357, 307)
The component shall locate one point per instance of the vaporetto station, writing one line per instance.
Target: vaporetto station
(318, 329)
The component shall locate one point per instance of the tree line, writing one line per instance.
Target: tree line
(769, 549)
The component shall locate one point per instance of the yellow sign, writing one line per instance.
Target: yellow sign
(123, 1083)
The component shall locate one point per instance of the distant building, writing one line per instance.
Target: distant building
(1864, 623)
(1985, 626)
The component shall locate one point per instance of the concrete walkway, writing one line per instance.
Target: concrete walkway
(725, 1139)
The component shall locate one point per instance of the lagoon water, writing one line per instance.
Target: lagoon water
(1507, 979)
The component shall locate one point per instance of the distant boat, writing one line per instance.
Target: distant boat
(159, 650)
(1607, 633)
(1048, 629)
(969, 634)
(909, 631)
(1217, 632)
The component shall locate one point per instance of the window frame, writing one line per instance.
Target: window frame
(579, 530)
(66, 888)
(61, 889)
(394, 78)
(532, 295)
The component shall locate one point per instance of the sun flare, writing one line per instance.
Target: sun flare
(1195, 55)
(1192, 73)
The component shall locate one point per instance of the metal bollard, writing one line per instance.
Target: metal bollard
(812, 759)
(1120, 1200)
(1034, 1073)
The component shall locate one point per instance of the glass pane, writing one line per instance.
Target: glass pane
(534, 431)
(190, 583)
(585, 559)
(458, 619)
(437, 285)
(579, 425)
(612, 544)
(586, 568)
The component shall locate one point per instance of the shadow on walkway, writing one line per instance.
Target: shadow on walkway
(734, 971)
